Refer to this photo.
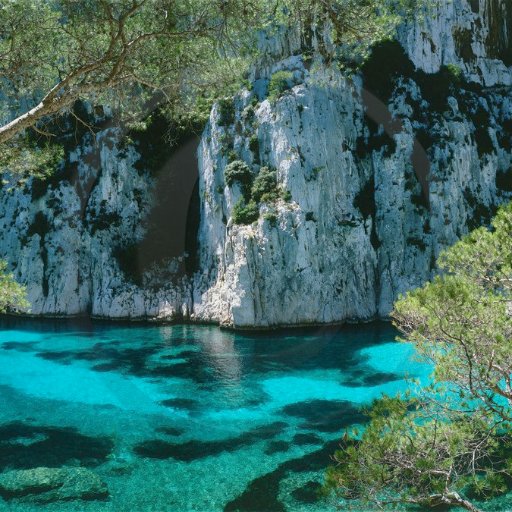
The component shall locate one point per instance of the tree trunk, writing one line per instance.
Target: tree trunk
(453, 499)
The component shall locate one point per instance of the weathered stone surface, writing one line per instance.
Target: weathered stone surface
(473, 34)
(44, 485)
(359, 229)
(61, 242)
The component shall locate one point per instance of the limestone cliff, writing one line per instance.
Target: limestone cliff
(384, 169)
(372, 173)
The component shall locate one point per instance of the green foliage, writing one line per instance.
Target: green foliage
(122, 51)
(226, 111)
(410, 453)
(29, 158)
(254, 147)
(245, 213)
(286, 195)
(133, 55)
(254, 144)
(159, 134)
(264, 187)
(238, 172)
(280, 82)
(256, 190)
(12, 295)
(271, 218)
(461, 320)
(452, 442)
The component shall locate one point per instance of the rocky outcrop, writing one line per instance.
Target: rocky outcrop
(384, 170)
(71, 239)
(474, 34)
(359, 180)
(46, 485)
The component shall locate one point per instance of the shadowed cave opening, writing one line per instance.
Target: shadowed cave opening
(173, 223)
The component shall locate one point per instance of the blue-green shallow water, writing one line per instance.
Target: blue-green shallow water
(177, 418)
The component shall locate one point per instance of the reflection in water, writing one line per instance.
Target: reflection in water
(220, 349)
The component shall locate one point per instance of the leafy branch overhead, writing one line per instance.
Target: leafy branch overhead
(74, 50)
(121, 52)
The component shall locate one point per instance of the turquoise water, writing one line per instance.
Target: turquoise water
(178, 418)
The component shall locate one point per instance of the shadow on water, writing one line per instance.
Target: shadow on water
(210, 359)
(24, 446)
(325, 415)
(221, 355)
(262, 493)
(194, 450)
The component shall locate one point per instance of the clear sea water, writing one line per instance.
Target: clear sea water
(178, 418)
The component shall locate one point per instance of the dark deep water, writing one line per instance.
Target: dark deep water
(176, 418)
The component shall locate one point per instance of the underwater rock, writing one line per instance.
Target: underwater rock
(45, 485)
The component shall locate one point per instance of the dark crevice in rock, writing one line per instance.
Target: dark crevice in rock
(499, 40)
(172, 224)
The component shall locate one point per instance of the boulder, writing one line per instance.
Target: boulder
(44, 485)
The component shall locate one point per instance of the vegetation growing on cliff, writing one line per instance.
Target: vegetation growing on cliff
(280, 82)
(262, 188)
(115, 52)
(12, 295)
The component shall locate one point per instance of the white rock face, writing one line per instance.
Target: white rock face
(356, 229)
(60, 242)
(473, 34)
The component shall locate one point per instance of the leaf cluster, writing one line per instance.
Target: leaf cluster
(453, 442)
(411, 453)
(12, 294)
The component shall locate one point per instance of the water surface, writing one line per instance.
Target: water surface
(178, 418)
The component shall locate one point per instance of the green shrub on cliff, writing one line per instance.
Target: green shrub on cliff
(238, 172)
(12, 294)
(245, 213)
(264, 187)
(280, 82)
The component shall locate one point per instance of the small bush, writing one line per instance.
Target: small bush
(265, 185)
(226, 111)
(238, 171)
(271, 218)
(245, 213)
(232, 156)
(286, 195)
(254, 147)
(254, 144)
(280, 82)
